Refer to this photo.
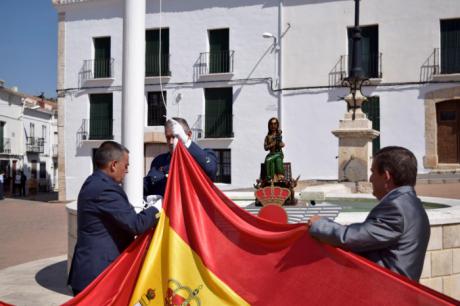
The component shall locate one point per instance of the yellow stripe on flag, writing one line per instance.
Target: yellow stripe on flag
(173, 273)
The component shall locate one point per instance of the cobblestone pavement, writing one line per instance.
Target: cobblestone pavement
(31, 230)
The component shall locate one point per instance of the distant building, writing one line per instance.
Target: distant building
(228, 66)
(28, 138)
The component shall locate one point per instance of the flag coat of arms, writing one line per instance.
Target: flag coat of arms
(206, 250)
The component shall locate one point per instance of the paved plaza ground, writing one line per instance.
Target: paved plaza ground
(33, 240)
(31, 230)
(449, 190)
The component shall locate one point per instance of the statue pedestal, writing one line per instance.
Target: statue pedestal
(355, 146)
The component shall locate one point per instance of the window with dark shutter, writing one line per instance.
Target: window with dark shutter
(156, 109)
(2, 137)
(154, 59)
(100, 118)
(102, 59)
(450, 46)
(369, 50)
(372, 109)
(218, 112)
(219, 53)
(224, 166)
(43, 170)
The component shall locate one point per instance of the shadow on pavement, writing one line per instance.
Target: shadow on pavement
(43, 197)
(54, 278)
(48, 197)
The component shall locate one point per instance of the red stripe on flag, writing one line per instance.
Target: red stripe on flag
(275, 264)
(115, 285)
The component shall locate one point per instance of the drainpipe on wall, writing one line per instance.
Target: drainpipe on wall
(62, 180)
(23, 128)
(280, 63)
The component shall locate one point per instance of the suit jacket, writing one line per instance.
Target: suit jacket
(395, 234)
(107, 224)
(155, 181)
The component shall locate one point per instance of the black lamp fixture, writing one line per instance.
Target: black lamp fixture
(356, 78)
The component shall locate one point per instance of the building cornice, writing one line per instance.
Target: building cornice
(67, 2)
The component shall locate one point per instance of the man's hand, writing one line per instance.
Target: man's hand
(154, 201)
(179, 133)
(313, 219)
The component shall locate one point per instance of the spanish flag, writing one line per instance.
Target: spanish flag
(208, 251)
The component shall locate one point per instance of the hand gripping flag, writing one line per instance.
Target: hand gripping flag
(208, 251)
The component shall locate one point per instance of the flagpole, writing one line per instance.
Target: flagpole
(133, 97)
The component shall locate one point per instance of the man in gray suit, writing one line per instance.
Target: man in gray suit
(395, 234)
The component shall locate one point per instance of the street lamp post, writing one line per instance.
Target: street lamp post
(355, 131)
(356, 78)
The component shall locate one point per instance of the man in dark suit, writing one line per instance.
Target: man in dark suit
(107, 223)
(177, 128)
(395, 234)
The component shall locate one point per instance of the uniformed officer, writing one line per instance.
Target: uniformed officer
(155, 181)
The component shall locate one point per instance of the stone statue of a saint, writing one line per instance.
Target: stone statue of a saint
(274, 169)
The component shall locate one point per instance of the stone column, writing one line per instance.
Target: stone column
(133, 97)
(355, 143)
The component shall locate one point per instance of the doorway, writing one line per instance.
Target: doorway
(448, 122)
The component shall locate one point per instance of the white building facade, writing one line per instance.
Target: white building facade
(228, 67)
(28, 139)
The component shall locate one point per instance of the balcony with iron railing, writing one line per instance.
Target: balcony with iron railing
(153, 62)
(35, 145)
(96, 129)
(212, 63)
(371, 65)
(5, 146)
(446, 60)
(220, 126)
(96, 69)
(441, 64)
(197, 128)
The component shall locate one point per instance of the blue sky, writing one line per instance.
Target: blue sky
(28, 45)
